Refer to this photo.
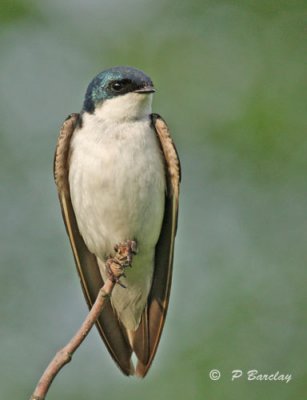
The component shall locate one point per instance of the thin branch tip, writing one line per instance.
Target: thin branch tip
(121, 260)
(64, 356)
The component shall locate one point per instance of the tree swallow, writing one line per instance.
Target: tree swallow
(118, 173)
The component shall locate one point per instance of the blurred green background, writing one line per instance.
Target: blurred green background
(231, 84)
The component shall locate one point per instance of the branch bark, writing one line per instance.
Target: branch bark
(64, 355)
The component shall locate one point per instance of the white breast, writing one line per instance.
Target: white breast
(117, 186)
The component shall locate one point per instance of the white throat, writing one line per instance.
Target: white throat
(128, 107)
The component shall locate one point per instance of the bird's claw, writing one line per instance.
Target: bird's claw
(116, 265)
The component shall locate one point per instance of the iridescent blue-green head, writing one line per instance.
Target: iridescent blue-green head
(114, 82)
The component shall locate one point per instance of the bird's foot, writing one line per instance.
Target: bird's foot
(116, 265)
(125, 252)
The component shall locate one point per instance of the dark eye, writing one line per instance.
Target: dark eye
(118, 86)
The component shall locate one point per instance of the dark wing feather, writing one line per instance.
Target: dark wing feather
(91, 280)
(147, 336)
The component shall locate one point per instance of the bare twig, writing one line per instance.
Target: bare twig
(115, 267)
(65, 354)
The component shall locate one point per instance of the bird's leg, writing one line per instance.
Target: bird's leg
(116, 265)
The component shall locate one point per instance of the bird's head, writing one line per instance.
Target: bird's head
(119, 91)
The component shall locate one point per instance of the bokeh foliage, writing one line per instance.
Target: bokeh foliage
(232, 85)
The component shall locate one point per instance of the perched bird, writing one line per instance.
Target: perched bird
(117, 173)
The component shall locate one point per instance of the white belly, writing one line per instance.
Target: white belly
(117, 186)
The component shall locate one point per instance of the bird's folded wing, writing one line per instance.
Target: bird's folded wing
(147, 336)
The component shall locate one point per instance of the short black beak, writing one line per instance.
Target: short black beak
(145, 89)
